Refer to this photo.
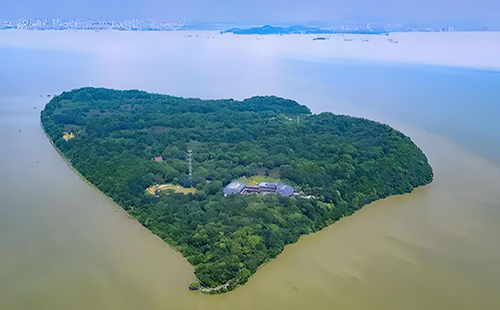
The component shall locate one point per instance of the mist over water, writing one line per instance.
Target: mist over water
(65, 246)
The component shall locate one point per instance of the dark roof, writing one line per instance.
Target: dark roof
(234, 188)
(284, 190)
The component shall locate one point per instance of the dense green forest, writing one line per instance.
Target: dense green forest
(343, 162)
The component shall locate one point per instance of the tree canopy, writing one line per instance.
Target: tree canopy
(340, 162)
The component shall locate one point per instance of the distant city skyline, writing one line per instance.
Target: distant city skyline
(158, 25)
(436, 13)
(89, 24)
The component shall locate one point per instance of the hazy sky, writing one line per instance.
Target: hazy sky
(260, 11)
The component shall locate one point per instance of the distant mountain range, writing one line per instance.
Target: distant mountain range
(299, 29)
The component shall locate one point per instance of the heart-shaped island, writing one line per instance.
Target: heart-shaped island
(229, 183)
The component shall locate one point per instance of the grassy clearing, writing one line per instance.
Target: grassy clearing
(256, 179)
(176, 188)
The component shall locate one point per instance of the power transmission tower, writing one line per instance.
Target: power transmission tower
(190, 154)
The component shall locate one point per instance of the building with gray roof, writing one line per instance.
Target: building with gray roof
(234, 188)
(284, 190)
(238, 187)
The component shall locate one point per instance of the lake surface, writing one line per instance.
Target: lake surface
(65, 246)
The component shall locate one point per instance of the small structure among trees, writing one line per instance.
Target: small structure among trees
(68, 136)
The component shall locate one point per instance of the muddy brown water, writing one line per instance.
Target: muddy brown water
(63, 245)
